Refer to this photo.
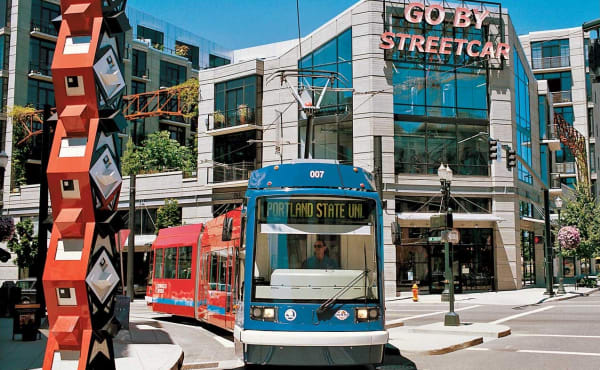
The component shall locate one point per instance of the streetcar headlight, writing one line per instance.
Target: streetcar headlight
(367, 314)
(269, 313)
(257, 313)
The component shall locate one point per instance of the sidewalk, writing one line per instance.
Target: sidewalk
(144, 346)
(519, 297)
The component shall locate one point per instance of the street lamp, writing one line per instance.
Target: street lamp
(451, 318)
(558, 202)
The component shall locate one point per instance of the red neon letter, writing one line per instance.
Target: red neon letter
(413, 17)
(462, 17)
(418, 44)
(460, 44)
(470, 51)
(488, 50)
(402, 40)
(432, 42)
(445, 44)
(387, 41)
(480, 17)
(503, 50)
(441, 14)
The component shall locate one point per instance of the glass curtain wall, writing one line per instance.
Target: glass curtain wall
(550, 54)
(332, 136)
(523, 110)
(238, 102)
(42, 14)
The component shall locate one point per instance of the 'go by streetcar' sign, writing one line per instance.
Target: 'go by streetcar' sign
(434, 15)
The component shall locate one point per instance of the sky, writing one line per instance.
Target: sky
(237, 24)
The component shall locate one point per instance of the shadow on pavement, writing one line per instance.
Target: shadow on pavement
(189, 321)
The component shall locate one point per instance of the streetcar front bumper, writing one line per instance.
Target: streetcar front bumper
(310, 348)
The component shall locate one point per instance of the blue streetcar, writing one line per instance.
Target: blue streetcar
(312, 291)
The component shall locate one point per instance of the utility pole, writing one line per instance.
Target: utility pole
(548, 246)
(131, 246)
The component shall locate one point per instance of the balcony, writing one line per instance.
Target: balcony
(43, 30)
(559, 97)
(243, 118)
(40, 71)
(551, 138)
(223, 172)
(551, 62)
(565, 169)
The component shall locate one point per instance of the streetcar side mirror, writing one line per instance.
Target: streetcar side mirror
(227, 229)
(396, 233)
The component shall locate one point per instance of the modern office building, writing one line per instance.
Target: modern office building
(158, 54)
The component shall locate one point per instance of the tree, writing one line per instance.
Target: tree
(7, 228)
(158, 153)
(168, 215)
(583, 212)
(19, 151)
(24, 244)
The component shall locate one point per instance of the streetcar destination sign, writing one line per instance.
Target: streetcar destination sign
(434, 15)
(314, 210)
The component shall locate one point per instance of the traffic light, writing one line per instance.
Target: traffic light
(511, 159)
(493, 149)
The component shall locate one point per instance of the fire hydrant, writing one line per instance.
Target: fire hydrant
(415, 292)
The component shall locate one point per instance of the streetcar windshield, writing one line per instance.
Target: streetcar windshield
(311, 248)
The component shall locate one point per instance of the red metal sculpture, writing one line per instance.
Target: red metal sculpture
(84, 179)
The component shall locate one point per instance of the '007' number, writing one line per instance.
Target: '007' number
(317, 174)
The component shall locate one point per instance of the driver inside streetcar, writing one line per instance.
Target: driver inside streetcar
(320, 260)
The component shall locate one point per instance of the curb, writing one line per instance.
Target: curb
(452, 348)
(200, 365)
(569, 296)
(394, 324)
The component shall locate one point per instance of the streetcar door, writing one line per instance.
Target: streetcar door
(203, 284)
(197, 277)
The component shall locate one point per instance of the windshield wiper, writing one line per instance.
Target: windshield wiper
(328, 303)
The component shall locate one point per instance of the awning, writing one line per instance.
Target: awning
(534, 220)
(417, 216)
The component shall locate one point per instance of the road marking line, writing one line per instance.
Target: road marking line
(579, 305)
(425, 310)
(559, 352)
(556, 335)
(521, 315)
(437, 313)
(225, 342)
(477, 349)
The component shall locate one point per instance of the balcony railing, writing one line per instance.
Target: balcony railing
(562, 97)
(43, 27)
(232, 118)
(555, 181)
(40, 68)
(551, 62)
(223, 172)
(550, 133)
(564, 168)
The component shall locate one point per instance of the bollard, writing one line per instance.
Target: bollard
(415, 292)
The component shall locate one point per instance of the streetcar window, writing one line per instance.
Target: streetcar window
(184, 263)
(170, 263)
(214, 271)
(158, 264)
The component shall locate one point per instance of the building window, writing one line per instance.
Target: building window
(41, 53)
(40, 93)
(238, 102)
(172, 74)
(139, 67)
(5, 13)
(591, 128)
(523, 118)
(335, 56)
(217, 61)
(4, 51)
(234, 157)
(176, 133)
(193, 53)
(432, 204)
(560, 84)
(545, 170)
(157, 38)
(42, 14)
(332, 139)
(593, 157)
(420, 147)
(4, 92)
(525, 209)
(550, 54)
(528, 257)
(544, 115)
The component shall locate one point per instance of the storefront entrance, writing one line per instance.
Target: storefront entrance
(418, 260)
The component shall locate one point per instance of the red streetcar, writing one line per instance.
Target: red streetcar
(195, 268)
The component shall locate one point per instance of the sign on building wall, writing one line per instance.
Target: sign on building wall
(465, 33)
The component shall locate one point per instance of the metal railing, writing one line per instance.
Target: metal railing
(565, 168)
(141, 73)
(43, 27)
(555, 182)
(232, 118)
(551, 62)
(550, 133)
(562, 97)
(40, 68)
(224, 172)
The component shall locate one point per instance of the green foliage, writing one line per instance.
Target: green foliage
(188, 95)
(168, 215)
(19, 152)
(587, 282)
(24, 244)
(158, 153)
(583, 212)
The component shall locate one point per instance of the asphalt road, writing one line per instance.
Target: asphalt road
(553, 335)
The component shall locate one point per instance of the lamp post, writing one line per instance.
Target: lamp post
(451, 318)
(558, 202)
